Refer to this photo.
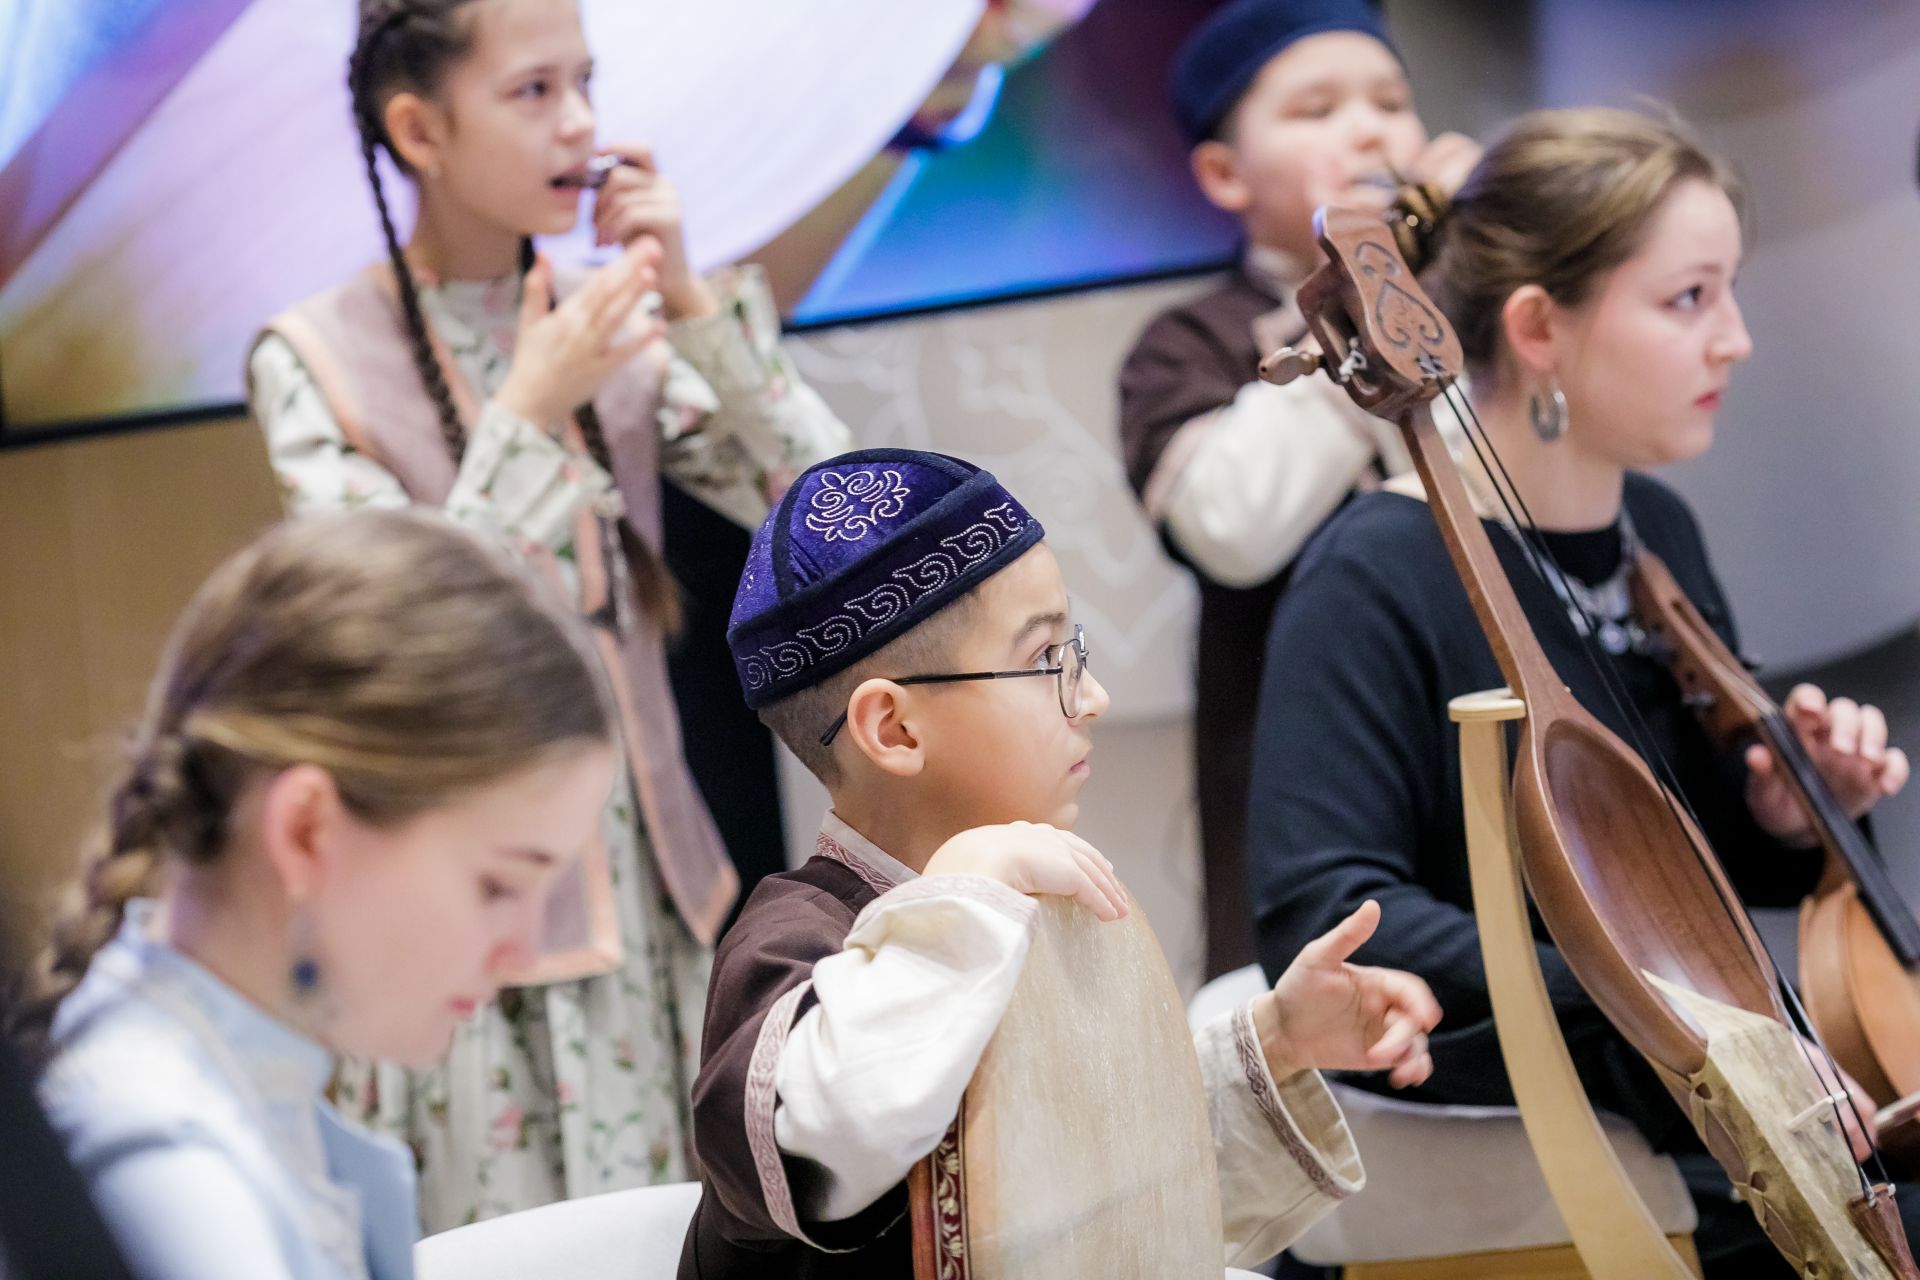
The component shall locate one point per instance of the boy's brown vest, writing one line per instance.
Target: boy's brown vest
(353, 340)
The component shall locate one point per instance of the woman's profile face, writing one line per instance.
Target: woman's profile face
(1644, 362)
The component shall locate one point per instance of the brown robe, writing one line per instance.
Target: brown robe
(792, 922)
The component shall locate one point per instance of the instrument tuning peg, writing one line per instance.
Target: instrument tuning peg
(1288, 363)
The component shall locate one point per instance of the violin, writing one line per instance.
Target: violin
(1620, 872)
(1859, 940)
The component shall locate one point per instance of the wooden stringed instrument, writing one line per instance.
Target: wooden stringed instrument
(1621, 875)
(1859, 940)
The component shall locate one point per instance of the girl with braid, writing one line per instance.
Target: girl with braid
(372, 746)
(465, 373)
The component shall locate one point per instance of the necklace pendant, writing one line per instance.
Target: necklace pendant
(1614, 638)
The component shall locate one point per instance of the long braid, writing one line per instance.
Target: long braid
(653, 582)
(165, 808)
(372, 135)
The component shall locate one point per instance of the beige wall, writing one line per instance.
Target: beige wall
(104, 540)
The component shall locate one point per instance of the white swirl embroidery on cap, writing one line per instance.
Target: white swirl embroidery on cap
(912, 583)
(848, 507)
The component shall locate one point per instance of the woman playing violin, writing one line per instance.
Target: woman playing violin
(1588, 266)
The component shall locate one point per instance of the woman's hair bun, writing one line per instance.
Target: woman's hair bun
(1418, 212)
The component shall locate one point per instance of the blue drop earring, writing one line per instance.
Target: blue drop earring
(304, 973)
(306, 976)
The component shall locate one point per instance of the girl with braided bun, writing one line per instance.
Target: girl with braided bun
(544, 407)
(373, 745)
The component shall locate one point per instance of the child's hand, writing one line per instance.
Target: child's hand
(1446, 161)
(1032, 857)
(1326, 1014)
(562, 354)
(637, 202)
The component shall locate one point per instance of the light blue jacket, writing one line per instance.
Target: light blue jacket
(199, 1123)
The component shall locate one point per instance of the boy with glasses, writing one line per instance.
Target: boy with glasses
(902, 627)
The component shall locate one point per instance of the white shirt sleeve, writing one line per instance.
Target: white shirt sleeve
(1242, 488)
(1284, 1152)
(872, 1075)
(1246, 484)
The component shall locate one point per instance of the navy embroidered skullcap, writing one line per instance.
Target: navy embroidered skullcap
(1224, 55)
(863, 548)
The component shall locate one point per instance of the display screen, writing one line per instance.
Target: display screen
(175, 172)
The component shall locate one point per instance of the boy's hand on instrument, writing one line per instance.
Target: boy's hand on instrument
(636, 202)
(1032, 857)
(1847, 742)
(1446, 161)
(1327, 1014)
(563, 354)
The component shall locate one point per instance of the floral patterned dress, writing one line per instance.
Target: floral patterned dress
(577, 1087)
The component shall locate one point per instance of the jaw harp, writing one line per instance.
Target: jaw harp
(595, 175)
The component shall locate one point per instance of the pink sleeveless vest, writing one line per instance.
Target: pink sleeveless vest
(353, 341)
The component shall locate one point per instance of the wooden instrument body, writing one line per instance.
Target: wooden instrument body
(1866, 1005)
(1862, 997)
(1623, 879)
(1628, 899)
(1083, 1149)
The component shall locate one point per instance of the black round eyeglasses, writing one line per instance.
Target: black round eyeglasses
(1066, 663)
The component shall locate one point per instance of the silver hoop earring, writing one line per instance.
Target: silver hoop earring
(1549, 419)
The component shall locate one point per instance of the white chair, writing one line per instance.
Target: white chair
(1446, 1185)
(623, 1235)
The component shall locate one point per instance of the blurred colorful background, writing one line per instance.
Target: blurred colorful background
(173, 172)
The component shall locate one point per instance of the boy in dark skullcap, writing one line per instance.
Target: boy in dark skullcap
(903, 627)
(1288, 105)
